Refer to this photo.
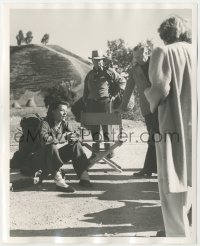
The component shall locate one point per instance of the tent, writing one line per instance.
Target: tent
(15, 104)
(30, 103)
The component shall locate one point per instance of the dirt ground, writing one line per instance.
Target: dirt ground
(116, 205)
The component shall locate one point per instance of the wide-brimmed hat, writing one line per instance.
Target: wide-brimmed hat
(97, 55)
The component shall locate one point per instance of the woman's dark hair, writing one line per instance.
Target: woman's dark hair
(60, 94)
(175, 29)
(54, 105)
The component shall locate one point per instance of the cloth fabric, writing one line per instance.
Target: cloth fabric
(51, 134)
(171, 91)
(138, 76)
(97, 83)
(77, 108)
(97, 94)
(170, 73)
(55, 158)
(175, 206)
(150, 163)
(47, 156)
(100, 106)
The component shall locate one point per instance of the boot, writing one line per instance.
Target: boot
(85, 180)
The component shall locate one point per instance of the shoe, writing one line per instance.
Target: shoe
(142, 174)
(160, 234)
(61, 185)
(85, 183)
(68, 188)
(38, 177)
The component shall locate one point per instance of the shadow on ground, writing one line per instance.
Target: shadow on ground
(142, 216)
(73, 232)
(137, 210)
(131, 218)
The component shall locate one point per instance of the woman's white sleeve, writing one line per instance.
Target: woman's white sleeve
(160, 78)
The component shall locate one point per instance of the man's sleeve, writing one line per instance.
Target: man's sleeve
(160, 78)
(127, 92)
(119, 79)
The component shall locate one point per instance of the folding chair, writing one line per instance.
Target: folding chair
(89, 119)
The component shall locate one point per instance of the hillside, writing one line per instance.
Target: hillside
(35, 67)
(66, 52)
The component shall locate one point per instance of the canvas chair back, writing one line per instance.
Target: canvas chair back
(101, 119)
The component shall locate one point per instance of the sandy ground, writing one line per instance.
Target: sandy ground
(116, 205)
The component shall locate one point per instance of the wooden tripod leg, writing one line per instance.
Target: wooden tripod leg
(113, 164)
(102, 156)
(99, 156)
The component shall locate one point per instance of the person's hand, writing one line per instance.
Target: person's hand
(73, 137)
(112, 99)
(62, 139)
(67, 135)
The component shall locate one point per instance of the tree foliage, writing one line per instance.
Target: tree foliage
(45, 39)
(120, 54)
(29, 37)
(20, 38)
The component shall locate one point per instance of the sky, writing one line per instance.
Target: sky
(83, 30)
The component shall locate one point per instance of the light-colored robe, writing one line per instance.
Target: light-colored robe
(170, 73)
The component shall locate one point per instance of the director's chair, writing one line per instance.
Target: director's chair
(91, 119)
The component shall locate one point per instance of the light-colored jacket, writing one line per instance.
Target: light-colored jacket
(170, 73)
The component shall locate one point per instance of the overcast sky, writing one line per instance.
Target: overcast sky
(83, 30)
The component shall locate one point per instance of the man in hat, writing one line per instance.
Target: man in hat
(98, 96)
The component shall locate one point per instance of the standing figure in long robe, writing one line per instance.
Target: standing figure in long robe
(170, 73)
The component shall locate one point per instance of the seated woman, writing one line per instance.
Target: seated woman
(54, 130)
(42, 152)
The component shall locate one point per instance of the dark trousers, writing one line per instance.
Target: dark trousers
(100, 106)
(50, 158)
(150, 163)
